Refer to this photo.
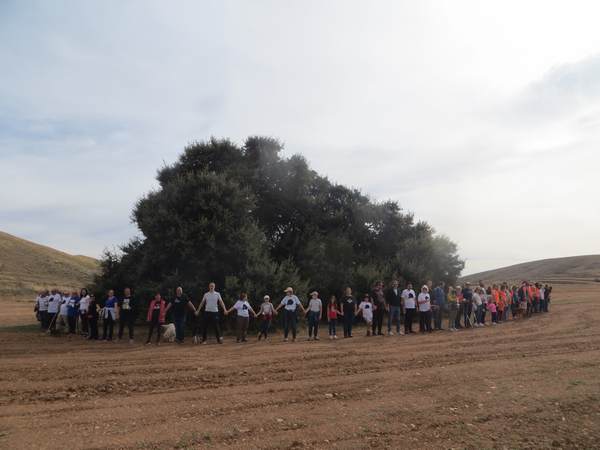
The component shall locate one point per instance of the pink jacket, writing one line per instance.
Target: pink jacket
(161, 314)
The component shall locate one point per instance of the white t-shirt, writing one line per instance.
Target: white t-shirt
(409, 302)
(54, 303)
(426, 302)
(242, 307)
(64, 307)
(212, 301)
(84, 303)
(366, 309)
(315, 305)
(477, 299)
(290, 302)
(43, 305)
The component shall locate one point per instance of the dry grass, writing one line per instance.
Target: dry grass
(571, 270)
(26, 268)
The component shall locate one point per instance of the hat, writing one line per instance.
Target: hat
(289, 289)
(266, 297)
(314, 293)
(425, 287)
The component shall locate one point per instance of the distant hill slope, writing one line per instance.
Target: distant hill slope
(27, 267)
(573, 269)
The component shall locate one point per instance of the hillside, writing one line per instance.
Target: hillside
(573, 269)
(27, 267)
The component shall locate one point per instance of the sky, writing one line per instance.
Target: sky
(481, 118)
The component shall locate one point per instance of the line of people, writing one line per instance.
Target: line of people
(465, 307)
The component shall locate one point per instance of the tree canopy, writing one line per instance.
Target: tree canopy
(252, 220)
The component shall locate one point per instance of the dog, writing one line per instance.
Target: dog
(168, 332)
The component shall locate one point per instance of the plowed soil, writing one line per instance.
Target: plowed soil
(526, 384)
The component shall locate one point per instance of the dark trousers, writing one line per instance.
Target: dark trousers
(93, 328)
(348, 322)
(241, 324)
(52, 318)
(264, 328)
(424, 321)
(84, 323)
(437, 318)
(332, 324)
(290, 322)
(44, 320)
(211, 318)
(467, 309)
(127, 319)
(377, 320)
(108, 325)
(154, 325)
(461, 312)
(408, 320)
(72, 322)
(313, 323)
(179, 323)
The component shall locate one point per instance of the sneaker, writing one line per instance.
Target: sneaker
(204, 342)
(220, 341)
(285, 339)
(334, 336)
(330, 337)
(316, 338)
(390, 333)
(310, 338)
(293, 339)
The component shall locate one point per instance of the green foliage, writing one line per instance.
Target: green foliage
(253, 221)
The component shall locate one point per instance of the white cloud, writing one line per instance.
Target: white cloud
(480, 117)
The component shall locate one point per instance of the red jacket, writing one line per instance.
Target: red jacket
(161, 314)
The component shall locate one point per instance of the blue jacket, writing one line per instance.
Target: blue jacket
(439, 296)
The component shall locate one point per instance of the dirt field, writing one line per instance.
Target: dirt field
(524, 384)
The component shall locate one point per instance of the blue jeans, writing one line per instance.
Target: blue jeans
(332, 324)
(313, 323)
(394, 314)
(179, 328)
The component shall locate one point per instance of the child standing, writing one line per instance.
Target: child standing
(267, 311)
(315, 314)
(332, 315)
(366, 309)
(243, 310)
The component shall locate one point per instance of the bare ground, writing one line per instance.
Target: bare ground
(526, 384)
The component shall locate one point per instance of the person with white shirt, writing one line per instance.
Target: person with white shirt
(409, 298)
(54, 301)
(424, 302)
(42, 309)
(290, 303)
(84, 302)
(315, 314)
(211, 301)
(62, 322)
(243, 309)
(365, 308)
